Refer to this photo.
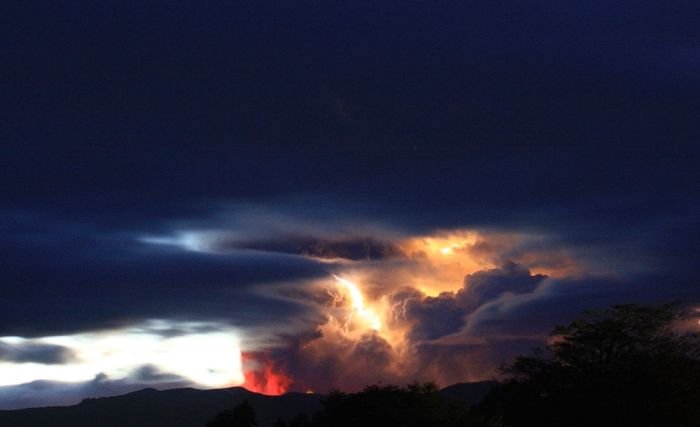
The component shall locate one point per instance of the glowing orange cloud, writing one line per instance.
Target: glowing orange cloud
(369, 329)
(357, 302)
(431, 264)
(355, 314)
(263, 376)
(439, 262)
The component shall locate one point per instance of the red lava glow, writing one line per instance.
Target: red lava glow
(265, 378)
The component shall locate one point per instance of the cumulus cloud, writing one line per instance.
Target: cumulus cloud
(484, 286)
(415, 337)
(431, 317)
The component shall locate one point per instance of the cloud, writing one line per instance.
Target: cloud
(328, 362)
(349, 248)
(557, 301)
(484, 286)
(204, 353)
(35, 353)
(344, 351)
(105, 280)
(452, 303)
(148, 374)
(432, 317)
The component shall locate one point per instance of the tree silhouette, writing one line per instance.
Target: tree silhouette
(390, 405)
(301, 420)
(243, 415)
(624, 366)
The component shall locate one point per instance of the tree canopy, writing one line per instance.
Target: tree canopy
(243, 415)
(623, 366)
(418, 404)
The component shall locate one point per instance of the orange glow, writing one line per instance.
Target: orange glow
(442, 260)
(353, 314)
(266, 379)
(357, 302)
(445, 243)
(368, 318)
(449, 250)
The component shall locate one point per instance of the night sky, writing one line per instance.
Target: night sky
(321, 194)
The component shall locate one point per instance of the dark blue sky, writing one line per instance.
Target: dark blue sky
(303, 128)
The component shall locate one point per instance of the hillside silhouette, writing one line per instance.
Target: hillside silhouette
(188, 407)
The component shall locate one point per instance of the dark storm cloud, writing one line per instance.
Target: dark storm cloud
(370, 351)
(483, 286)
(170, 331)
(506, 96)
(459, 114)
(152, 374)
(351, 248)
(432, 317)
(558, 301)
(339, 362)
(47, 354)
(510, 302)
(63, 277)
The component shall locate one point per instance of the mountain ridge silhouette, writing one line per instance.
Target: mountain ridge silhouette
(188, 407)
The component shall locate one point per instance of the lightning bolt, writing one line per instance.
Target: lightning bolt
(357, 304)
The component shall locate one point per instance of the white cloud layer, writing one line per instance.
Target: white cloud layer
(202, 353)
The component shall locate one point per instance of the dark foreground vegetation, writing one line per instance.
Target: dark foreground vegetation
(625, 366)
(377, 405)
(184, 407)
